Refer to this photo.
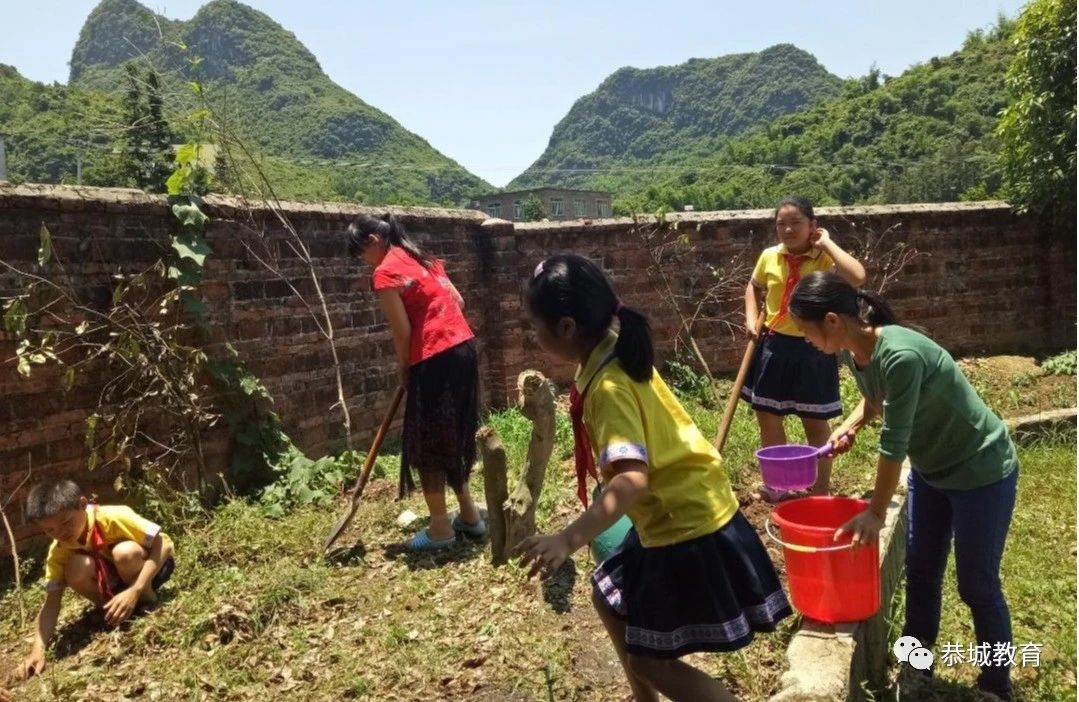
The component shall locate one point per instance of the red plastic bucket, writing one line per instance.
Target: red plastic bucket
(829, 581)
(790, 466)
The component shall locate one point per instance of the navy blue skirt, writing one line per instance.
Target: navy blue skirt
(706, 594)
(789, 376)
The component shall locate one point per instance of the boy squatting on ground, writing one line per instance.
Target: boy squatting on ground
(106, 553)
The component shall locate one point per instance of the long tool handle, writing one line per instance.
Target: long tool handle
(369, 462)
(739, 381)
(361, 482)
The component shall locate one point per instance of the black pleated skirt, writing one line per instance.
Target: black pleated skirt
(706, 594)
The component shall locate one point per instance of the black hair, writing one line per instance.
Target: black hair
(389, 229)
(804, 206)
(817, 294)
(568, 285)
(49, 499)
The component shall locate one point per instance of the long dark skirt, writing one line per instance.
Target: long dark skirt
(441, 419)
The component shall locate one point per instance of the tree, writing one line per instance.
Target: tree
(147, 154)
(532, 209)
(871, 80)
(1037, 128)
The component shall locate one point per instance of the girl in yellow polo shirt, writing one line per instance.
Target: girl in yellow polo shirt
(788, 376)
(692, 574)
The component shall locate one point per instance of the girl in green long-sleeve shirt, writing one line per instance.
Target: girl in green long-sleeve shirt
(964, 466)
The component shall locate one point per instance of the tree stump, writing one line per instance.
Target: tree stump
(493, 454)
(536, 401)
(512, 519)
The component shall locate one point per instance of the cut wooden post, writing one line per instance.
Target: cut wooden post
(535, 399)
(493, 455)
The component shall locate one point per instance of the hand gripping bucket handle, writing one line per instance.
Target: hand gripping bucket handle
(799, 548)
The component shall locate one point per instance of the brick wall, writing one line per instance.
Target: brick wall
(986, 281)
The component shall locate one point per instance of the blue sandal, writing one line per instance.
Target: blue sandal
(422, 541)
(476, 531)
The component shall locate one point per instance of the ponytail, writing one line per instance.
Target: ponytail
(817, 294)
(877, 312)
(568, 285)
(397, 236)
(389, 229)
(634, 348)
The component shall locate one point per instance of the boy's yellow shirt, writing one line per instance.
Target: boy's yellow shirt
(118, 523)
(770, 274)
(689, 493)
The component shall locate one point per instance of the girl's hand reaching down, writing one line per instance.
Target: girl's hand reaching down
(545, 554)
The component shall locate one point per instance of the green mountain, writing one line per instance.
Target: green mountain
(313, 138)
(925, 136)
(659, 118)
(733, 132)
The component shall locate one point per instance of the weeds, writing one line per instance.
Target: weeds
(1061, 364)
(253, 612)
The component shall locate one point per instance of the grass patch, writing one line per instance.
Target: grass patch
(1039, 583)
(253, 611)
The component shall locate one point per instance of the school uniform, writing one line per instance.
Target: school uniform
(107, 525)
(692, 574)
(788, 375)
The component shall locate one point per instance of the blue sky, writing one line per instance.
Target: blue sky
(485, 81)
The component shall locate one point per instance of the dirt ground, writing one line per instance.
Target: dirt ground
(1017, 385)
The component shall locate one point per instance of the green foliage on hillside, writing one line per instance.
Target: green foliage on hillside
(314, 137)
(726, 133)
(1037, 129)
(675, 114)
(45, 126)
(925, 136)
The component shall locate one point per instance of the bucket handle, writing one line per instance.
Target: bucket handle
(799, 548)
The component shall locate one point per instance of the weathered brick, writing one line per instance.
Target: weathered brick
(980, 286)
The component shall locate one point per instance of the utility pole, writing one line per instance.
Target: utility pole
(3, 159)
(80, 146)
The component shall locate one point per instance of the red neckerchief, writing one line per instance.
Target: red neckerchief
(98, 546)
(794, 274)
(582, 448)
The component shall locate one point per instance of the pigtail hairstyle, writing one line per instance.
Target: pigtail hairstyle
(568, 285)
(634, 346)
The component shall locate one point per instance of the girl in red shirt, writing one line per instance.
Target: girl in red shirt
(437, 363)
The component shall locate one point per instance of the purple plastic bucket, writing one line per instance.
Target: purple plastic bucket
(790, 466)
